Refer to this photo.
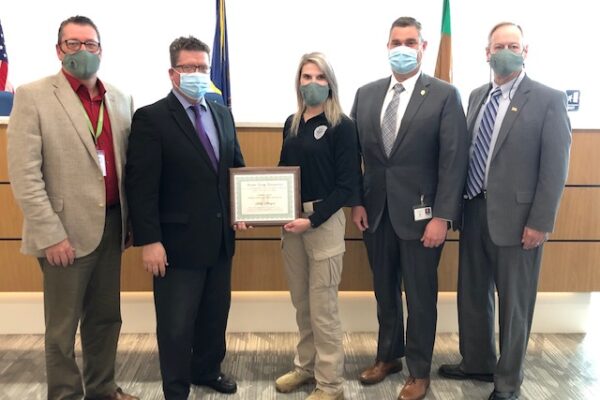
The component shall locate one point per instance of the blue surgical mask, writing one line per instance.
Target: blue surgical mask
(194, 84)
(403, 59)
(505, 62)
(314, 94)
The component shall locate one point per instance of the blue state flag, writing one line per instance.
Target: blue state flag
(219, 73)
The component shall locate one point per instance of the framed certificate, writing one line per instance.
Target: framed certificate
(265, 196)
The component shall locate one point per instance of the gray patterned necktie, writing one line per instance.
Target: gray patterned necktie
(388, 124)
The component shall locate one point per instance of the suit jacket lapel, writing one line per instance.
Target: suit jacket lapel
(414, 103)
(218, 120)
(476, 103)
(181, 117)
(514, 108)
(375, 110)
(117, 127)
(75, 112)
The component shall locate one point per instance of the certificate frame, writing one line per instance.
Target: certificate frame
(268, 196)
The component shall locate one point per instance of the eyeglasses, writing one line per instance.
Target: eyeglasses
(74, 45)
(188, 69)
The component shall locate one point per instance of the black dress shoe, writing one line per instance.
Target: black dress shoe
(503, 396)
(222, 384)
(454, 371)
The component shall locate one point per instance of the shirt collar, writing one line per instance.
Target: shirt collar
(77, 86)
(509, 88)
(408, 84)
(186, 103)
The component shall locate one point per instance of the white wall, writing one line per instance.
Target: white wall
(23, 313)
(267, 38)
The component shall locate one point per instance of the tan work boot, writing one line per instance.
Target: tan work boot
(292, 380)
(318, 394)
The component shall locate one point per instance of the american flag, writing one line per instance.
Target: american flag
(3, 61)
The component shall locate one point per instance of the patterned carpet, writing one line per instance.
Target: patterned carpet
(557, 367)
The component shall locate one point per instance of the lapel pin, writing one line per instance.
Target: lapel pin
(514, 109)
(423, 92)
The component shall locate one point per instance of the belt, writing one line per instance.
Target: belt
(309, 206)
(482, 195)
(113, 206)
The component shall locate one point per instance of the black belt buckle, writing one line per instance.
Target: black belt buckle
(481, 195)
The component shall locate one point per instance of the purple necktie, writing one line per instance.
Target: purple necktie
(204, 137)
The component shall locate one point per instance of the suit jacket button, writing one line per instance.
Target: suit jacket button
(219, 215)
(100, 204)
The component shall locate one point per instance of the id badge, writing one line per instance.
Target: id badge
(422, 211)
(102, 161)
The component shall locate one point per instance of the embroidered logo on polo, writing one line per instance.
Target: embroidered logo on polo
(320, 131)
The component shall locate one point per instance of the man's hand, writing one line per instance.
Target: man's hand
(532, 238)
(60, 254)
(298, 225)
(128, 235)
(154, 259)
(359, 217)
(241, 226)
(435, 232)
(128, 239)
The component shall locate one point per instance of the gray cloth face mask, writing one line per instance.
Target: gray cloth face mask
(82, 65)
(314, 94)
(505, 62)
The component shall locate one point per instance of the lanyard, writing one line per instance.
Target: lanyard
(98, 131)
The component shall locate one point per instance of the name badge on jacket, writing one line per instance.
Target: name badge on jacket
(422, 211)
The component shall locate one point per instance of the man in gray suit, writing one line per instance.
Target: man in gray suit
(67, 139)
(414, 145)
(517, 171)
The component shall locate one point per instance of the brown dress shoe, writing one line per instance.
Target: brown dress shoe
(414, 389)
(379, 371)
(119, 395)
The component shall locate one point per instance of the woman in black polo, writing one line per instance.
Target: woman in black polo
(322, 141)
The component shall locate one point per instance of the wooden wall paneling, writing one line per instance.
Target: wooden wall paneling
(257, 265)
(356, 275)
(3, 160)
(570, 267)
(448, 268)
(352, 231)
(260, 146)
(133, 276)
(567, 266)
(260, 232)
(11, 218)
(579, 214)
(584, 167)
(20, 273)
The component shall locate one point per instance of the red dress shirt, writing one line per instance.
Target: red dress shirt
(104, 141)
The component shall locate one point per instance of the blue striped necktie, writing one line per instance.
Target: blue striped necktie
(481, 147)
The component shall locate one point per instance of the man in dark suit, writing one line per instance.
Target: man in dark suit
(517, 171)
(181, 149)
(414, 144)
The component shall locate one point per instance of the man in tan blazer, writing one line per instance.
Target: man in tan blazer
(67, 139)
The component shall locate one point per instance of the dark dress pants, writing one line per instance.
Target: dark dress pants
(192, 306)
(393, 262)
(514, 272)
